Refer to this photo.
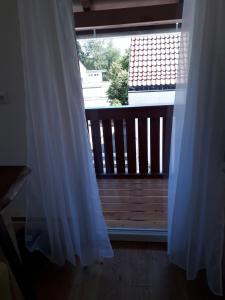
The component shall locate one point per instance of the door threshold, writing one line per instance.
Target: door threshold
(135, 235)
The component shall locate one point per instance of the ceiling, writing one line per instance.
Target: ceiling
(108, 14)
(82, 5)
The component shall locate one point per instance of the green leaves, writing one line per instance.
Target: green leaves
(99, 54)
(118, 76)
(118, 89)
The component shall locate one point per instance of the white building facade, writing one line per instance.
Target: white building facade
(94, 88)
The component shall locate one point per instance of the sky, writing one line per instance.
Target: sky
(122, 42)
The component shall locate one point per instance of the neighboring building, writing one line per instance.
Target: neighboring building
(152, 69)
(94, 88)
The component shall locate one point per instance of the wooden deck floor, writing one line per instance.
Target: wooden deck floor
(134, 203)
(133, 274)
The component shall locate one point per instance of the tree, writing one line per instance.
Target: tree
(125, 60)
(98, 54)
(118, 76)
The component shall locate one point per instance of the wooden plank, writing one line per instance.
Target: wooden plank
(147, 15)
(136, 181)
(132, 192)
(107, 134)
(132, 215)
(129, 114)
(143, 145)
(115, 4)
(138, 271)
(131, 145)
(151, 214)
(119, 143)
(97, 149)
(136, 186)
(118, 113)
(167, 129)
(133, 183)
(157, 207)
(131, 176)
(155, 224)
(134, 202)
(154, 145)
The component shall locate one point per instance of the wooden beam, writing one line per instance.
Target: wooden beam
(157, 14)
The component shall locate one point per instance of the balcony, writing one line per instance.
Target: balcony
(131, 150)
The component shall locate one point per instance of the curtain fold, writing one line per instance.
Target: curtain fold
(64, 215)
(197, 168)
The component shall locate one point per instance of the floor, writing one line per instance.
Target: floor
(135, 273)
(134, 203)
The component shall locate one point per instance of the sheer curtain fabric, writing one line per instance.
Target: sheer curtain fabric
(197, 169)
(64, 215)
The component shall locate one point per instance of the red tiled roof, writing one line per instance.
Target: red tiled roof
(153, 61)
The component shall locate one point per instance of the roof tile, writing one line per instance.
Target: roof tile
(153, 61)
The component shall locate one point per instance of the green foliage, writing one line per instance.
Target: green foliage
(98, 54)
(115, 69)
(118, 89)
(125, 60)
(118, 75)
(101, 55)
(115, 102)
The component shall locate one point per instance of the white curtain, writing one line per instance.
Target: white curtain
(64, 215)
(197, 168)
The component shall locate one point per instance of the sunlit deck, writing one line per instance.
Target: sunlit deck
(131, 150)
(134, 203)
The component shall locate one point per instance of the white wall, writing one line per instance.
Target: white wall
(83, 73)
(94, 76)
(96, 95)
(151, 98)
(12, 115)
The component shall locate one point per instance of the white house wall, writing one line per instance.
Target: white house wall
(12, 113)
(151, 98)
(96, 95)
(94, 76)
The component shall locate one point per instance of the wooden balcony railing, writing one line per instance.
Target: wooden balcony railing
(130, 141)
